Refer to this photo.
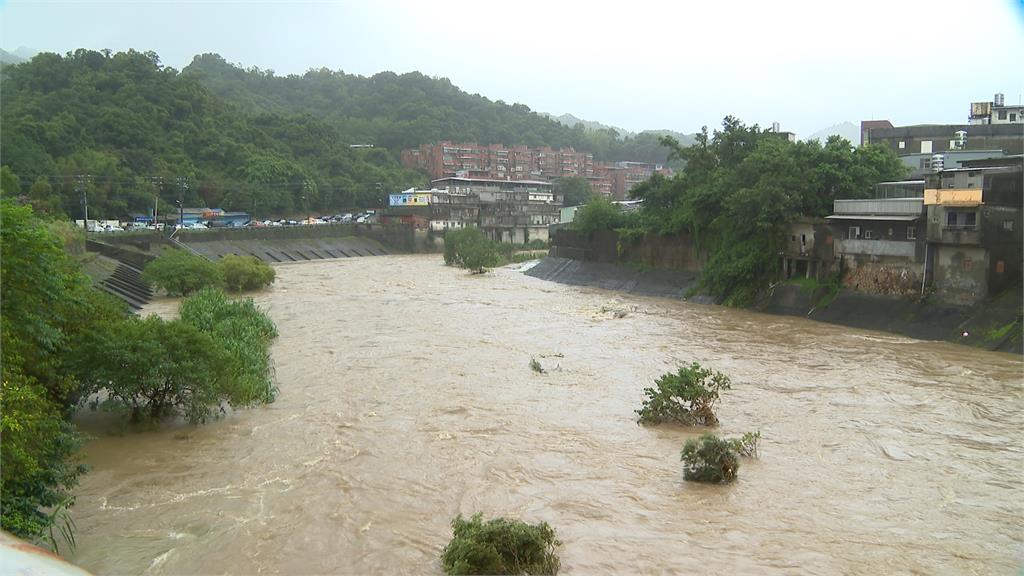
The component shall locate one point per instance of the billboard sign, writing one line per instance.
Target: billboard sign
(409, 199)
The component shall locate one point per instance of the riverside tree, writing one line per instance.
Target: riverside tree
(47, 312)
(180, 273)
(469, 248)
(740, 190)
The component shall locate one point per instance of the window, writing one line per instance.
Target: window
(1002, 114)
(902, 144)
(1013, 117)
(950, 218)
(926, 147)
(971, 219)
(911, 233)
(1008, 225)
(854, 231)
(867, 235)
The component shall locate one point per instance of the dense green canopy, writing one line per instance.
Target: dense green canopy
(741, 189)
(128, 133)
(143, 131)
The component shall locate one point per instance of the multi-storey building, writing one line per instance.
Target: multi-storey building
(497, 162)
(511, 211)
(993, 129)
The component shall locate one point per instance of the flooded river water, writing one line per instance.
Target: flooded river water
(406, 397)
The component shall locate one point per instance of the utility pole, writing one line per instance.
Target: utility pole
(81, 186)
(306, 189)
(182, 188)
(158, 184)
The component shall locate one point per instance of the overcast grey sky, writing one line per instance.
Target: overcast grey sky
(636, 64)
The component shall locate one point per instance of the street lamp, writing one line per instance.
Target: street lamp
(306, 205)
(181, 214)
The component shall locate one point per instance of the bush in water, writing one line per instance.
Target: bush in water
(687, 397)
(709, 459)
(180, 273)
(245, 273)
(468, 248)
(500, 546)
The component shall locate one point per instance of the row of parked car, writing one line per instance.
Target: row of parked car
(358, 218)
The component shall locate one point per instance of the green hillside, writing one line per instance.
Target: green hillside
(403, 111)
(244, 139)
(142, 131)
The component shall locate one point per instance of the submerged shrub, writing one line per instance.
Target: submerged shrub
(244, 332)
(500, 546)
(469, 248)
(180, 273)
(245, 273)
(709, 459)
(746, 445)
(687, 397)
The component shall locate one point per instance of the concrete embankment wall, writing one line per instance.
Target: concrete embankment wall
(670, 266)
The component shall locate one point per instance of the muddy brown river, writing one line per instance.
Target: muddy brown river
(406, 397)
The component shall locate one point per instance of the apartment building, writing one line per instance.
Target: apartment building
(510, 211)
(613, 180)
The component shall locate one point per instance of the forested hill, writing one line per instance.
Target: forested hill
(215, 134)
(142, 130)
(403, 111)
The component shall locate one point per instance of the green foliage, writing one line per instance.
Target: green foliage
(687, 397)
(39, 451)
(47, 310)
(500, 546)
(180, 273)
(244, 332)
(746, 445)
(217, 354)
(469, 248)
(243, 273)
(709, 459)
(153, 369)
(574, 190)
(598, 214)
(10, 184)
(124, 118)
(741, 189)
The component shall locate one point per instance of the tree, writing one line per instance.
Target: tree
(575, 191)
(10, 184)
(500, 546)
(245, 273)
(244, 332)
(152, 369)
(47, 308)
(741, 189)
(598, 214)
(180, 273)
(469, 248)
(686, 397)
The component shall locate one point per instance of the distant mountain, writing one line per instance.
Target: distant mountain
(847, 130)
(684, 139)
(25, 53)
(571, 121)
(10, 58)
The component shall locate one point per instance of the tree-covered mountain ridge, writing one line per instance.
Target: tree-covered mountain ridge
(402, 111)
(126, 133)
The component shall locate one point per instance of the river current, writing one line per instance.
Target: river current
(407, 397)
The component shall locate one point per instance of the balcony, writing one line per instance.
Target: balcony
(893, 248)
(878, 207)
(953, 197)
